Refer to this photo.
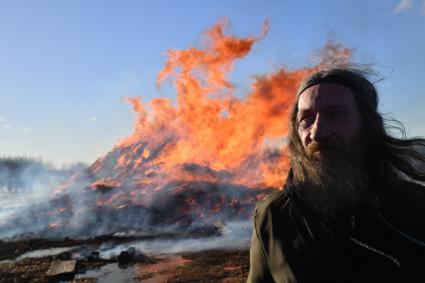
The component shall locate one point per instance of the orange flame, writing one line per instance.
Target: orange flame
(211, 126)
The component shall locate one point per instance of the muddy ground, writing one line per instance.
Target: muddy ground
(213, 266)
(205, 266)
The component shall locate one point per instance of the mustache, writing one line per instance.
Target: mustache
(324, 146)
(328, 144)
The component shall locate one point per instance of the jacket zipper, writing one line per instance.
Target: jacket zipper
(395, 229)
(404, 235)
(372, 249)
(366, 246)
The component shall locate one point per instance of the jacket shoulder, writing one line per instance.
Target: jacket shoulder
(273, 237)
(272, 203)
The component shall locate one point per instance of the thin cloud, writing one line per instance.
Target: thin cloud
(93, 119)
(403, 5)
(25, 129)
(6, 126)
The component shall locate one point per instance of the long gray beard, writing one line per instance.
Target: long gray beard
(332, 190)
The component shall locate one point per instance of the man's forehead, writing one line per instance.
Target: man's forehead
(326, 95)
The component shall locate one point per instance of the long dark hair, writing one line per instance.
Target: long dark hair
(388, 156)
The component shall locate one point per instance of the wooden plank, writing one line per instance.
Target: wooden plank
(61, 267)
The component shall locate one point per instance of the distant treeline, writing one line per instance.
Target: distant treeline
(18, 173)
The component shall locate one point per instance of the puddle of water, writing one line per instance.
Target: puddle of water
(111, 273)
(40, 253)
(157, 272)
(160, 271)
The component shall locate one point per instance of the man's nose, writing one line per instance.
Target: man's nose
(319, 130)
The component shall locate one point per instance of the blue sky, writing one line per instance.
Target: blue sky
(65, 65)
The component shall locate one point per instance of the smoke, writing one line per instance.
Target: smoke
(29, 210)
(25, 183)
(176, 207)
(235, 235)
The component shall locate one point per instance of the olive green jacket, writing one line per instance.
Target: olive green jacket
(291, 245)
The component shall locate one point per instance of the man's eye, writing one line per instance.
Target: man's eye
(306, 121)
(337, 114)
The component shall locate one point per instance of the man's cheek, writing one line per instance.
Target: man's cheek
(304, 139)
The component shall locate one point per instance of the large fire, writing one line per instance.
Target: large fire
(210, 154)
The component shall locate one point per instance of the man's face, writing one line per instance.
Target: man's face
(329, 123)
(334, 182)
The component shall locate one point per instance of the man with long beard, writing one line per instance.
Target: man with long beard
(352, 208)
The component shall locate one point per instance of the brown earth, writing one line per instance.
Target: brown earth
(34, 270)
(213, 266)
(205, 266)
